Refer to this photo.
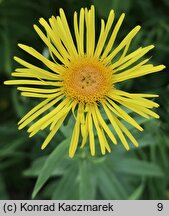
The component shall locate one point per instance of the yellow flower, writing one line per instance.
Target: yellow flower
(81, 78)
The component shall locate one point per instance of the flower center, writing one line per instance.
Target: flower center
(87, 80)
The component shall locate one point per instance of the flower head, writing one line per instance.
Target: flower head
(81, 79)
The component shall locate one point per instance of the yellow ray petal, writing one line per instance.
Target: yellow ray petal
(90, 31)
(35, 109)
(124, 42)
(91, 134)
(38, 95)
(113, 37)
(135, 58)
(99, 133)
(141, 109)
(37, 72)
(81, 32)
(133, 108)
(134, 100)
(142, 95)
(126, 58)
(60, 114)
(34, 114)
(65, 111)
(104, 125)
(104, 33)
(39, 90)
(51, 114)
(53, 132)
(84, 129)
(131, 74)
(55, 39)
(76, 29)
(125, 50)
(53, 66)
(32, 74)
(102, 139)
(84, 125)
(125, 116)
(116, 127)
(126, 131)
(69, 40)
(32, 82)
(48, 44)
(75, 137)
(137, 97)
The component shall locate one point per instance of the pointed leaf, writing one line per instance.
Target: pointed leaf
(67, 187)
(51, 163)
(109, 185)
(138, 167)
(87, 184)
(138, 191)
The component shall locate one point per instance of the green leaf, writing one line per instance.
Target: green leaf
(36, 166)
(35, 169)
(136, 167)
(87, 181)
(50, 165)
(138, 191)
(109, 185)
(67, 187)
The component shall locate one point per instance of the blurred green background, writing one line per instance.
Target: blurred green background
(26, 171)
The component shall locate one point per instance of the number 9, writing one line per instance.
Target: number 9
(159, 206)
